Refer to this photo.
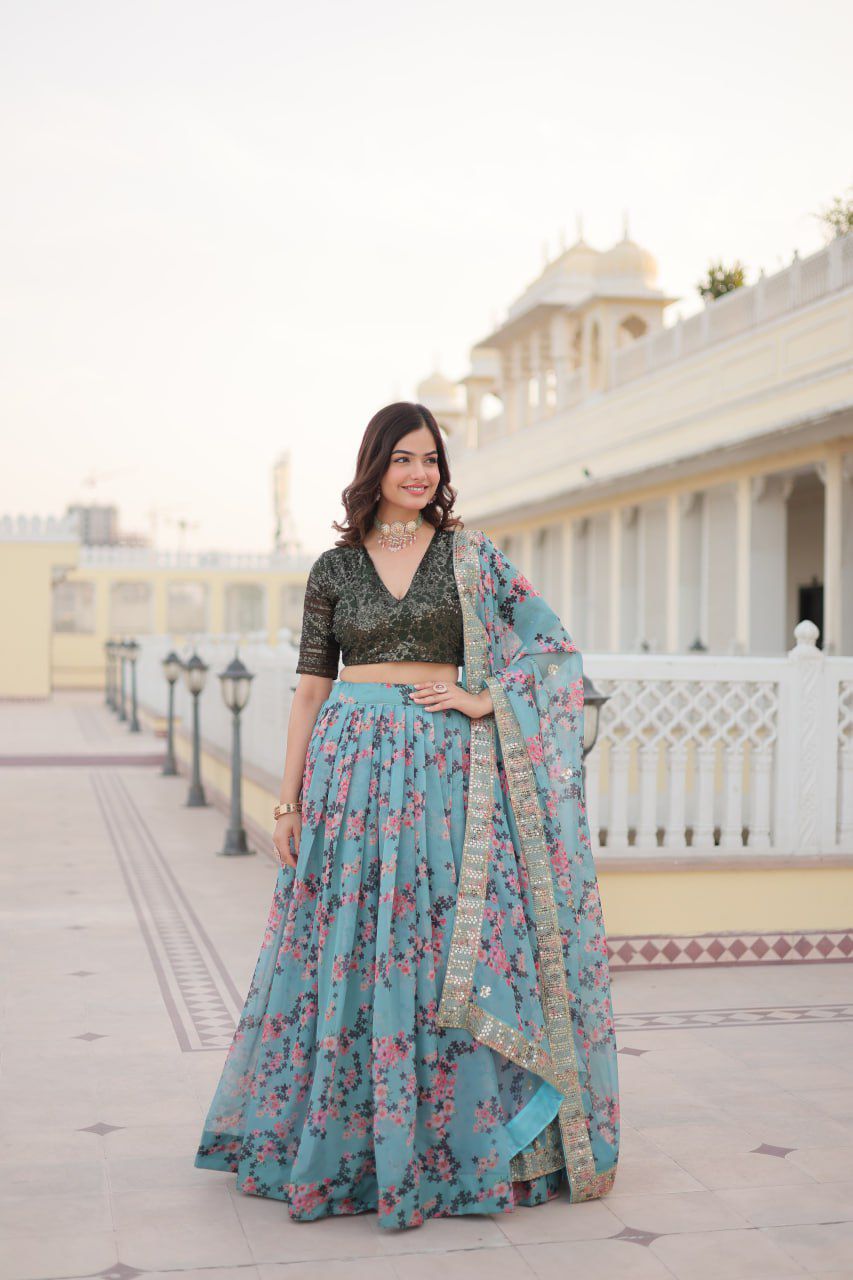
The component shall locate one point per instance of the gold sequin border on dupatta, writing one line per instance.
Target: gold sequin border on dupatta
(565, 1142)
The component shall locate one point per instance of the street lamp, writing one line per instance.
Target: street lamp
(110, 647)
(172, 667)
(122, 714)
(593, 703)
(106, 673)
(236, 683)
(132, 649)
(194, 675)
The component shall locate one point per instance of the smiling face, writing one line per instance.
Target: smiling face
(411, 477)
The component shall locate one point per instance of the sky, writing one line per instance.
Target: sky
(231, 229)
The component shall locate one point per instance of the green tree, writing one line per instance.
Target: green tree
(837, 218)
(720, 280)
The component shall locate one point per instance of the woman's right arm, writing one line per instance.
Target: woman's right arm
(310, 694)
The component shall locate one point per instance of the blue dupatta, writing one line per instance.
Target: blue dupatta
(527, 973)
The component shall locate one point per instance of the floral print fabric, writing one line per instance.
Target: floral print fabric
(340, 1093)
(343, 1089)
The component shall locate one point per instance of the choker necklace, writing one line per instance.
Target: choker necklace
(395, 535)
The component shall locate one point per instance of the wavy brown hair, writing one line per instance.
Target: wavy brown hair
(380, 438)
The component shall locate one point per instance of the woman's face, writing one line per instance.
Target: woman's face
(412, 476)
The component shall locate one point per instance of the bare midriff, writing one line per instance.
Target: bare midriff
(401, 672)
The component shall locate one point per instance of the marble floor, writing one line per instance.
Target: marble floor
(126, 946)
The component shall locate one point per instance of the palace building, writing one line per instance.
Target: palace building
(671, 487)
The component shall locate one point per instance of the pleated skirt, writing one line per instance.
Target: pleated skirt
(340, 1093)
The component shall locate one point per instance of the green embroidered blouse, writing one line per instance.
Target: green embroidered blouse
(350, 612)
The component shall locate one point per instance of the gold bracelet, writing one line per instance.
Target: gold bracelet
(290, 806)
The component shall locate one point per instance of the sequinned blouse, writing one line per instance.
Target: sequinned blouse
(350, 613)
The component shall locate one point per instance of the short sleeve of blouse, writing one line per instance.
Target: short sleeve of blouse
(319, 651)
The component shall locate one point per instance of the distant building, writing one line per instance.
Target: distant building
(673, 487)
(285, 538)
(99, 526)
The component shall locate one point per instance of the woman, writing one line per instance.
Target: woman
(429, 1029)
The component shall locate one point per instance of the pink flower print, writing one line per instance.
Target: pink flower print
(485, 1118)
(355, 824)
(390, 1051)
(403, 901)
(534, 749)
(391, 825)
(487, 1162)
(306, 1198)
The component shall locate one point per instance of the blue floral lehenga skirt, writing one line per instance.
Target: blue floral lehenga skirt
(340, 1092)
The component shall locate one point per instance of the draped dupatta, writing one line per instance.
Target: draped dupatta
(550, 1014)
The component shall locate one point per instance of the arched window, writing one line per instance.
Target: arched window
(131, 608)
(595, 356)
(186, 606)
(631, 328)
(74, 608)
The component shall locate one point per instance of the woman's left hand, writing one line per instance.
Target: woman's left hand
(455, 697)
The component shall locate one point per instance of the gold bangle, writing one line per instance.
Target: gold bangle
(290, 806)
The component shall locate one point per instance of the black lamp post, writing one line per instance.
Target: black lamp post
(111, 668)
(593, 701)
(132, 650)
(236, 683)
(106, 673)
(195, 672)
(172, 667)
(122, 714)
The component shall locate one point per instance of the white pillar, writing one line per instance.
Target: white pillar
(580, 582)
(567, 533)
(829, 470)
(719, 567)
(743, 562)
(615, 610)
(652, 584)
(846, 638)
(690, 587)
(673, 572)
(768, 563)
(630, 606)
(599, 578)
(525, 555)
(836, 472)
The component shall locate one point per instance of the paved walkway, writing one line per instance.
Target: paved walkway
(126, 946)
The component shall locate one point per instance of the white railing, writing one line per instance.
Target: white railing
(803, 282)
(34, 528)
(263, 722)
(698, 756)
(120, 557)
(715, 755)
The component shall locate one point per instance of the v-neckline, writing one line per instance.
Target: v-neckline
(388, 592)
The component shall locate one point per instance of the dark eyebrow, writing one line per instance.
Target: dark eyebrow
(412, 455)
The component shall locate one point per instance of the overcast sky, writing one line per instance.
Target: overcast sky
(234, 228)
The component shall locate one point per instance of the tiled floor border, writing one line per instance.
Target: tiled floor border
(691, 951)
(200, 996)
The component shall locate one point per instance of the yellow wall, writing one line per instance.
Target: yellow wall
(78, 660)
(755, 899)
(26, 575)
